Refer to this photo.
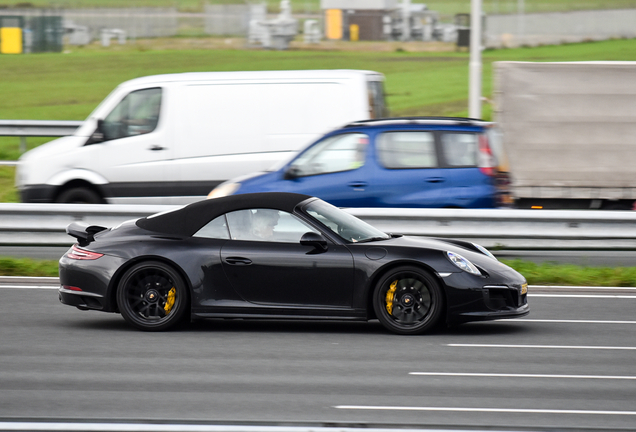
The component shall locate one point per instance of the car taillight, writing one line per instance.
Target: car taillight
(485, 159)
(81, 254)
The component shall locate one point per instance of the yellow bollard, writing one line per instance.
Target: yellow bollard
(354, 32)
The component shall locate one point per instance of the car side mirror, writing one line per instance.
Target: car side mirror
(314, 240)
(291, 173)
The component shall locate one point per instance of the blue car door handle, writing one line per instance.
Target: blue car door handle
(358, 184)
(435, 180)
(238, 261)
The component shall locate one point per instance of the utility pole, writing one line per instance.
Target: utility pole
(474, 64)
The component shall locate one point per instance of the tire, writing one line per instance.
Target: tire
(79, 195)
(144, 296)
(408, 300)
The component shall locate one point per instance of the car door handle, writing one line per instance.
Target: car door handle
(156, 148)
(238, 261)
(435, 180)
(358, 184)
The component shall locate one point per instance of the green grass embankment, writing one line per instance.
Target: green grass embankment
(536, 274)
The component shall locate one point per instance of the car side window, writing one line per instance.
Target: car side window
(460, 149)
(215, 229)
(337, 153)
(266, 225)
(136, 114)
(407, 150)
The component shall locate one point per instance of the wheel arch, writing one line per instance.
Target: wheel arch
(114, 281)
(379, 273)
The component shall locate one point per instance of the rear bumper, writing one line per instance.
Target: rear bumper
(81, 299)
(87, 284)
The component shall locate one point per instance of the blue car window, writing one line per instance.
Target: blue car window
(337, 153)
(460, 149)
(407, 150)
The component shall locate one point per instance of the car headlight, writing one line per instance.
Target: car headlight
(224, 189)
(463, 263)
(485, 251)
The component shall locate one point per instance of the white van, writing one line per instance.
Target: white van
(170, 139)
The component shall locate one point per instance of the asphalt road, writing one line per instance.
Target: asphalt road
(569, 364)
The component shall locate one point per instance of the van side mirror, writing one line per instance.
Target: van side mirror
(315, 240)
(97, 136)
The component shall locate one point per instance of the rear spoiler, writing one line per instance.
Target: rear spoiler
(84, 233)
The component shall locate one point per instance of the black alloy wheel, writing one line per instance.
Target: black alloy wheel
(408, 300)
(152, 296)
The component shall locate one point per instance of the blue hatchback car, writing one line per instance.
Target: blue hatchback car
(401, 162)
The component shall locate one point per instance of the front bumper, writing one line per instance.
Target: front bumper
(481, 299)
(37, 193)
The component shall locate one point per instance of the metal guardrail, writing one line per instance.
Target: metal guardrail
(25, 128)
(40, 128)
(44, 224)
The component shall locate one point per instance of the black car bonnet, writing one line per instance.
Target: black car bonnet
(188, 220)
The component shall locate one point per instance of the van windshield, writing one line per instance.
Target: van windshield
(377, 102)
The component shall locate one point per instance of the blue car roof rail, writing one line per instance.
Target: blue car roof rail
(420, 120)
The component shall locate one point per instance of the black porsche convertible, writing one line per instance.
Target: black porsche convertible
(281, 256)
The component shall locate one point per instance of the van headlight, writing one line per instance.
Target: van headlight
(224, 189)
(463, 263)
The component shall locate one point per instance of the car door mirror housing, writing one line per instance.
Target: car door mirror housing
(291, 173)
(315, 240)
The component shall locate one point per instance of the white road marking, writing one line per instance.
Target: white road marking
(542, 346)
(562, 321)
(162, 427)
(504, 375)
(29, 286)
(572, 287)
(584, 296)
(495, 410)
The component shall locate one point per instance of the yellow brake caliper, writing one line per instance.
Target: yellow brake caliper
(389, 297)
(170, 301)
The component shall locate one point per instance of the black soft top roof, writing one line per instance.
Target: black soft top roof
(188, 220)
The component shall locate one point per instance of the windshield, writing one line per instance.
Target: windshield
(349, 227)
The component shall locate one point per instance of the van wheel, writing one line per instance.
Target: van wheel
(79, 195)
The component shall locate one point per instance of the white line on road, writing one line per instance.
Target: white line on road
(495, 410)
(541, 346)
(562, 321)
(568, 287)
(29, 286)
(505, 375)
(584, 296)
(164, 427)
